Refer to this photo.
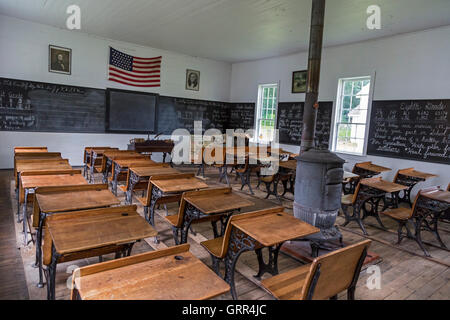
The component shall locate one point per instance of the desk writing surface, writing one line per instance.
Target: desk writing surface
(273, 228)
(383, 185)
(83, 233)
(169, 279)
(76, 200)
(44, 165)
(153, 170)
(133, 162)
(27, 150)
(417, 174)
(439, 195)
(179, 185)
(217, 203)
(372, 167)
(52, 180)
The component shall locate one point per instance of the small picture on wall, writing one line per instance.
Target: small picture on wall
(59, 60)
(299, 79)
(192, 80)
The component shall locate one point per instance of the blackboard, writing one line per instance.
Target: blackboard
(130, 111)
(175, 113)
(242, 116)
(37, 106)
(290, 125)
(415, 130)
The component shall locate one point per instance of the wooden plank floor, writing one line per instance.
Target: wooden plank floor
(405, 272)
(13, 285)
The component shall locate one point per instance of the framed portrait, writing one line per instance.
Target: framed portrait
(299, 79)
(192, 80)
(59, 59)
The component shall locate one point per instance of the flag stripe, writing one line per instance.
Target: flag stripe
(148, 59)
(130, 79)
(136, 85)
(112, 69)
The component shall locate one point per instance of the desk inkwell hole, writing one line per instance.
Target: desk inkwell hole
(124, 214)
(179, 258)
(279, 214)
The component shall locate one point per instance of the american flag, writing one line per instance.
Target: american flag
(134, 71)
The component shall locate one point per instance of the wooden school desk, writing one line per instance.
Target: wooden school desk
(76, 235)
(53, 200)
(205, 205)
(176, 274)
(30, 180)
(122, 165)
(143, 174)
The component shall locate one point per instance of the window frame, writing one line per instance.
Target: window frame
(259, 109)
(338, 109)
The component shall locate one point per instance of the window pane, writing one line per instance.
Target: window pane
(346, 103)
(347, 87)
(357, 86)
(265, 92)
(271, 92)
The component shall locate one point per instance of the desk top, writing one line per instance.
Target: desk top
(416, 174)
(439, 195)
(123, 155)
(134, 162)
(217, 203)
(79, 233)
(52, 180)
(179, 185)
(372, 167)
(153, 170)
(380, 184)
(29, 149)
(76, 200)
(274, 227)
(43, 165)
(176, 274)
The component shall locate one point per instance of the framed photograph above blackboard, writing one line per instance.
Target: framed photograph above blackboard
(192, 80)
(59, 60)
(299, 79)
(131, 111)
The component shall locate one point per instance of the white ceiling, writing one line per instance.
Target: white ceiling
(232, 30)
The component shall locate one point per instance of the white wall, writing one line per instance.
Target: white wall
(409, 66)
(24, 55)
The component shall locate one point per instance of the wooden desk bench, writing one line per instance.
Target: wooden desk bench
(72, 236)
(254, 231)
(109, 157)
(205, 205)
(139, 175)
(53, 200)
(410, 177)
(175, 274)
(120, 166)
(30, 180)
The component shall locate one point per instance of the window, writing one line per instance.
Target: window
(266, 112)
(351, 115)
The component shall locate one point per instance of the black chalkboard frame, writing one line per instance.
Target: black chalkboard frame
(107, 99)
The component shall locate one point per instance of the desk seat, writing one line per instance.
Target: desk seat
(399, 213)
(347, 199)
(214, 247)
(288, 285)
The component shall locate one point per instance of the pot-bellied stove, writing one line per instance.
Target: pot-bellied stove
(318, 188)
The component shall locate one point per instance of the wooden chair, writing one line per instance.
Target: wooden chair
(218, 247)
(87, 158)
(271, 183)
(347, 201)
(404, 215)
(176, 220)
(324, 278)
